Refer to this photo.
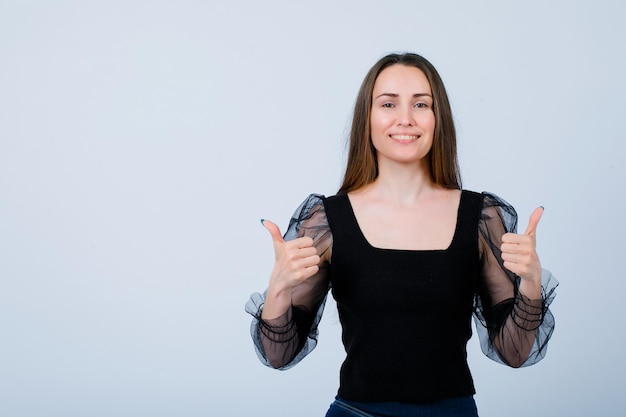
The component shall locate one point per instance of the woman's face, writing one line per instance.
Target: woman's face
(402, 122)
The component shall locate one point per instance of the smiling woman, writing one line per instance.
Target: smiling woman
(409, 256)
(402, 121)
(362, 165)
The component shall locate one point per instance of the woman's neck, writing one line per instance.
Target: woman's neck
(401, 183)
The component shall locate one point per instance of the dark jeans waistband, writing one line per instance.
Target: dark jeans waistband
(453, 407)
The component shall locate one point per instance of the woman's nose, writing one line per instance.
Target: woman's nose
(405, 116)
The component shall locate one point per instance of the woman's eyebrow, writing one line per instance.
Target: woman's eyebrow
(397, 95)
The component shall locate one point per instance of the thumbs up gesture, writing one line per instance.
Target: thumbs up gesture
(295, 260)
(519, 253)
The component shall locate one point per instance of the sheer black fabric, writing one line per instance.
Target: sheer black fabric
(512, 328)
(283, 342)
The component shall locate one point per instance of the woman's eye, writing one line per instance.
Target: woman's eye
(387, 105)
(421, 105)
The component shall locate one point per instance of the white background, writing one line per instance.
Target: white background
(142, 141)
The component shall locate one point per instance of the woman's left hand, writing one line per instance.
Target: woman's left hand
(519, 253)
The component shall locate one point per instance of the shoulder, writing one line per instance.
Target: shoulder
(333, 201)
(333, 198)
(487, 199)
(314, 198)
(315, 202)
(312, 204)
(493, 202)
(471, 199)
(471, 193)
(310, 214)
(494, 208)
(491, 206)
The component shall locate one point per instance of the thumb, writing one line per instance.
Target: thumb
(534, 221)
(277, 237)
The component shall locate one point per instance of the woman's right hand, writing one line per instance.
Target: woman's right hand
(295, 261)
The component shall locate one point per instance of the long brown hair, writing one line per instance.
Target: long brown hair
(362, 166)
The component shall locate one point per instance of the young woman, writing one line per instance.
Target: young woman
(409, 257)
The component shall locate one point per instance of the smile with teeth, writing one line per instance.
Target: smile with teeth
(405, 138)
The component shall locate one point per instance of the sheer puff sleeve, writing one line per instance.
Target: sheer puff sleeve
(284, 341)
(513, 329)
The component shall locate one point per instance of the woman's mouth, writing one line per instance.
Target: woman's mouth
(404, 138)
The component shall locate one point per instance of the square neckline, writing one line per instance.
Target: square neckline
(372, 247)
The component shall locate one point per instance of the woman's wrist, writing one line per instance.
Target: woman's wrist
(531, 287)
(277, 302)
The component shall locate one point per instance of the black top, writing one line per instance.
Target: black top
(406, 314)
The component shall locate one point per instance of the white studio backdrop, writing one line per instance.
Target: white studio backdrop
(141, 142)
